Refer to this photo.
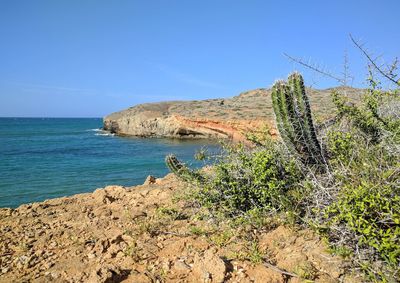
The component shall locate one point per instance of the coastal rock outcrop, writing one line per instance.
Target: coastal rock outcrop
(142, 234)
(227, 118)
(160, 120)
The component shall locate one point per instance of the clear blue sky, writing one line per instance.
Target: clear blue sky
(81, 58)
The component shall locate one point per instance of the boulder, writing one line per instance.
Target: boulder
(209, 267)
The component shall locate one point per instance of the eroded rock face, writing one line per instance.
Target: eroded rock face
(214, 118)
(176, 126)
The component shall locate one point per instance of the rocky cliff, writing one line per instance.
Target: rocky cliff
(226, 118)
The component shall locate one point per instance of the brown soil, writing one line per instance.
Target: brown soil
(139, 234)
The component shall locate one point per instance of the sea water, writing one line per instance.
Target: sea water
(43, 158)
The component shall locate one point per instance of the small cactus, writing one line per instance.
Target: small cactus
(181, 170)
(294, 120)
(173, 164)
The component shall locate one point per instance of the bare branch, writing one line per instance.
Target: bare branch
(346, 70)
(390, 76)
(315, 68)
(393, 67)
(277, 269)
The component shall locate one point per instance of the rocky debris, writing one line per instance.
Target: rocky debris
(149, 180)
(120, 234)
(107, 274)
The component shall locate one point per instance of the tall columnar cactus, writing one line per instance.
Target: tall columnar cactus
(181, 170)
(294, 120)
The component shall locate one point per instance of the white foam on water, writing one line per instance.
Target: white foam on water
(104, 134)
(94, 130)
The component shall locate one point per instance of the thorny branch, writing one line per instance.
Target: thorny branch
(390, 76)
(315, 68)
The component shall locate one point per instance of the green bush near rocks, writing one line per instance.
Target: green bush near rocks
(247, 179)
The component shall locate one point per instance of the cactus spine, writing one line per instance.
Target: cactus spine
(294, 119)
(182, 171)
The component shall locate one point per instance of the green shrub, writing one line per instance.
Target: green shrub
(368, 116)
(373, 212)
(340, 145)
(360, 116)
(248, 179)
(364, 157)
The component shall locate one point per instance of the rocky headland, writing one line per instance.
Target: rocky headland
(228, 118)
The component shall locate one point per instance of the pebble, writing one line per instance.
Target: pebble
(91, 255)
(48, 264)
(4, 270)
(181, 265)
(120, 255)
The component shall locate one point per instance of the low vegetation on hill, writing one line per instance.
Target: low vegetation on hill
(340, 178)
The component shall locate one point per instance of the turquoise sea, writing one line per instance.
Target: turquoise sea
(42, 158)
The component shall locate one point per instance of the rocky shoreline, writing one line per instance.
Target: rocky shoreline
(140, 234)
